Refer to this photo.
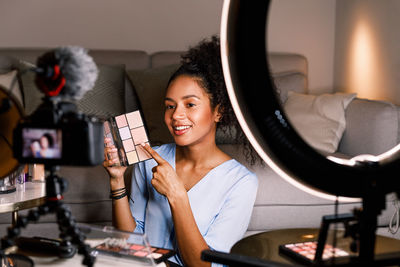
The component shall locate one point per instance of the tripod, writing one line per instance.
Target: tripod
(69, 232)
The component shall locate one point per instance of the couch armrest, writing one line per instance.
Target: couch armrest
(372, 127)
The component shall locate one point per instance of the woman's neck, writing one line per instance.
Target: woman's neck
(200, 155)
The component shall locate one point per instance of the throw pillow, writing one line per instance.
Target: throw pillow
(33, 96)
(150, 86)
(6, 80)
(106, 99)
(319, 120)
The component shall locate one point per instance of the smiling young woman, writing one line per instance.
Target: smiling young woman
(188, 114)
(191, 196)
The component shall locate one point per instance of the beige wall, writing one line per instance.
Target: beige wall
(151, 25)
(367, 49)
(306, 27)
(148, 25)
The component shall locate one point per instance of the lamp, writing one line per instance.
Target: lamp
(11, 112)
(262, 118)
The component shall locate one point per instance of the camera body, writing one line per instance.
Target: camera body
(57, 134)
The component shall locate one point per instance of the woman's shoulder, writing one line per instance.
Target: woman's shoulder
(238, 170)
(235, 177)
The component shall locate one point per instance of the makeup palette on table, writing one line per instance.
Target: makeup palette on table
(121, 248)
(304, 252)
(127, 132)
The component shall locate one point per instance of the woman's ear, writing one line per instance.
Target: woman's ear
(218, 113)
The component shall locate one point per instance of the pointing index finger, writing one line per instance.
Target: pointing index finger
(153, 153)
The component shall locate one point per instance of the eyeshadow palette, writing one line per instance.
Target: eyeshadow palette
(305, 252)
(121, 248)
(127, 133)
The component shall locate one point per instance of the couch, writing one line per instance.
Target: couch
(130, 80)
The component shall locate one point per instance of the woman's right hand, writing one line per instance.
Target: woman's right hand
(111, 162)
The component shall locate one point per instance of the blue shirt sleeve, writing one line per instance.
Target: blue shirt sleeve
(139, 195)
(233, 219)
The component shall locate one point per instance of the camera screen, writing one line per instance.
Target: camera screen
(42, 143)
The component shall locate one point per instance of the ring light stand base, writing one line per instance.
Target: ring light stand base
(69, 232)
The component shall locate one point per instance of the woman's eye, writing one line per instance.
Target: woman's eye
(169, 107)
(190, 105)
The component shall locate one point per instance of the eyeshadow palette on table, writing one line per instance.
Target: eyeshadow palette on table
(127, 132)
(122, 248)
(304, 252)
(109, 243)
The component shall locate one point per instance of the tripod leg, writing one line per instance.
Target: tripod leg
(70, 232)
(22, 221)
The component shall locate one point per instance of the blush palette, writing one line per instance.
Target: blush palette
(305, 252)
(127, 133)
(121, 248)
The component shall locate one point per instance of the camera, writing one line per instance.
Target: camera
(57, 133)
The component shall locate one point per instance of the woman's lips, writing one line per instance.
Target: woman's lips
(179, 130)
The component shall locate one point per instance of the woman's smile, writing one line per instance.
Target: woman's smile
(179, 130)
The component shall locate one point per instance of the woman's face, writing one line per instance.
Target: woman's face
(44, 143)
(188, 113)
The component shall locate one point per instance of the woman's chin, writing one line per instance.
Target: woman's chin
(179, 142)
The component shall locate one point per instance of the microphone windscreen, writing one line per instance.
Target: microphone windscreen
(79, 70)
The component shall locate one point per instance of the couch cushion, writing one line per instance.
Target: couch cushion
(319, 120)
(280, 205)
(289, 81)
(150, 85)
(287, 62)
(25, 54)
(165, 58)
(133, 59)
(372, 127)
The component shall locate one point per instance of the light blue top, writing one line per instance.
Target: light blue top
(221, 202)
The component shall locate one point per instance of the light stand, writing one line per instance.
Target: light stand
(69, 232)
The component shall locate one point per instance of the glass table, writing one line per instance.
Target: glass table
(266, 245)
(28, 195)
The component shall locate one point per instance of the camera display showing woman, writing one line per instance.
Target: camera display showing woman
(44, 147)
(191, 196)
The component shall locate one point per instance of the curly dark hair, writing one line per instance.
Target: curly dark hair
(49, 139)
(203, 62)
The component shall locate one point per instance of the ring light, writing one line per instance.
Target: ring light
(262, 118)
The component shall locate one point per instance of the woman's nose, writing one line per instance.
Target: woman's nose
(178, 113)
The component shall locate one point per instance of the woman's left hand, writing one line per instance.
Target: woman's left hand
(165, 180)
